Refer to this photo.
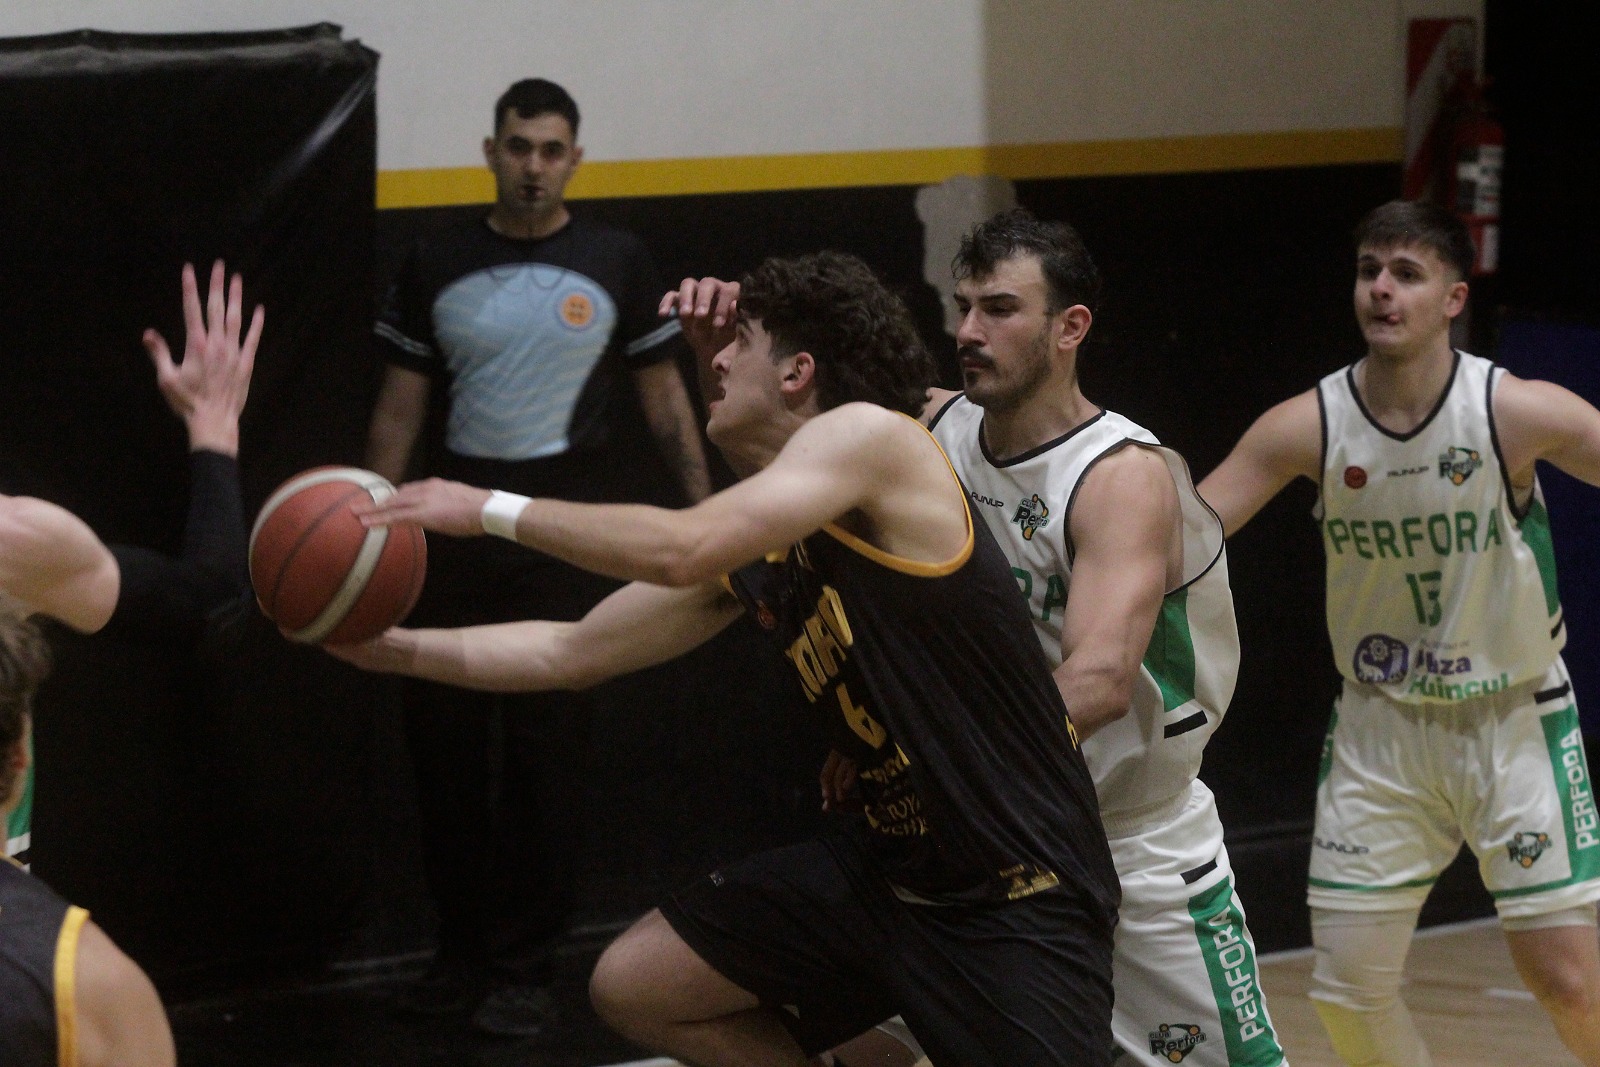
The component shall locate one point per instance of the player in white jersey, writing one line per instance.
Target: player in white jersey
(1455, 721)
(1126, 577)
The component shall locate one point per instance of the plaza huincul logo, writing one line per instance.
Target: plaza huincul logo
(1032, 515)
(1457, 463)
(1380, 659)
(1174, 1041)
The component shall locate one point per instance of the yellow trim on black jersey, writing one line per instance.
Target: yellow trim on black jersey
(899, 563)
(66, 986)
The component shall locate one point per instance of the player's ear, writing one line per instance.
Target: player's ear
(800, 372)
(488, 152)
(577, 154)
(1075, 322)
(1456, 299)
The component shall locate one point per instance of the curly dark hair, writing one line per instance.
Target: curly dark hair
(861, 336)
(24, 663)
(1422, 223)
(1069, 272)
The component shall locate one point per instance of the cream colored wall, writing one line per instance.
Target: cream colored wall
(664, 79)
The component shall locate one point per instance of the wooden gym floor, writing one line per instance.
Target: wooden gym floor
(1463, 992)
(1460, 984)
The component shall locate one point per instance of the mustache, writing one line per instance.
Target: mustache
(974, 354)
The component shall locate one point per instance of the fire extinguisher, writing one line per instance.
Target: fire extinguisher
(1479, 152)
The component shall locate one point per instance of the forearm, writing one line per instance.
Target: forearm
(389, 446)
(397, 419)
(632, 542)
(674, 427)
(678, 439)
(502, 658)
(636, 627)
(159, 592)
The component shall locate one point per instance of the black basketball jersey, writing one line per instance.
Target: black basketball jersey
(38, 952)
(929, 677)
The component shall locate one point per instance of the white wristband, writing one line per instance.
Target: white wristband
(500, 513)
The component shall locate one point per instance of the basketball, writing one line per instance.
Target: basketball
(321, 575)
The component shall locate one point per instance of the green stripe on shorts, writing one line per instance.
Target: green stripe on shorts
(1231, 966)
(1326, 764)
(1564, 736)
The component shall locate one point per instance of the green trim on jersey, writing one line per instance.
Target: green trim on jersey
(20, 822)
(1536, 532)
(1170, 655)
(1231, 967)
(1563, 736)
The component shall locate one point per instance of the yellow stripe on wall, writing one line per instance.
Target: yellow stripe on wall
(446, 186)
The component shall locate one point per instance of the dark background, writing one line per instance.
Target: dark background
(241, 808)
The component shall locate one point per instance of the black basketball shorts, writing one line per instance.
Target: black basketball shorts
(812, 931)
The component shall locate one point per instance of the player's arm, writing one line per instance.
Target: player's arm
(638, 626)
(850, 457)
(1283, 444)
(1541, 420)
(120, 1021)
(672, 423)
(207, 391)
(1124, 527)
(53, 563)
(397, 419)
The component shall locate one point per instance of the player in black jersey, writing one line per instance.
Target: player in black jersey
(68, 996)
(978, 896)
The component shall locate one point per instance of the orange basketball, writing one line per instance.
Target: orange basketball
(321, 575)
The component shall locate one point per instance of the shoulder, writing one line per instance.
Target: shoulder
(1526, 401)
(1131, 478)
(119, 1014)
(1534, 416)
(862, 434)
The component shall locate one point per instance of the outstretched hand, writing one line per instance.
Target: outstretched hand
(208, 389)
(707, 310)
(434, 504)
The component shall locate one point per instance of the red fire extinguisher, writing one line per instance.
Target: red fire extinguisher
(1479, 152)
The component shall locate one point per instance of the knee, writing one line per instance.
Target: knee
(1360, 959)
(615, 992)
(1567, 986)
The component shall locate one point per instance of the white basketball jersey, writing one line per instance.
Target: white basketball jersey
(1152, 754)
(1439, 587)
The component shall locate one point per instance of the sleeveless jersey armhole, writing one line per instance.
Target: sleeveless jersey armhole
(66, 976)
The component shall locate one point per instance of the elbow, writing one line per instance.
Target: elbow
(683, 570)
(691, 559)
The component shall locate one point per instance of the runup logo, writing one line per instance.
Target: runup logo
(1174, 1041)
(1032, 514)
(1526, 847)
(1380, 658)
(1458, 463)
